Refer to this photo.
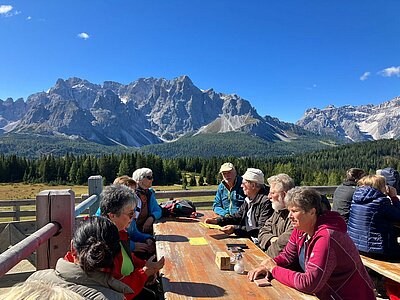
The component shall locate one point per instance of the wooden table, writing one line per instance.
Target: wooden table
(190, 271)
(388, 269)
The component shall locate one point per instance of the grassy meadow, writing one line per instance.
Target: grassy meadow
(15, 191)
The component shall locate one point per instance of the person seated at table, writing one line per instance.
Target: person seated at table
(143, 244)
(275, 233)
(149, 208)
(392, 177)
(253, 213)
(372, 218)
(118, 203)
(330, 266)
(230, 195)
(344, 193)
(85, 269)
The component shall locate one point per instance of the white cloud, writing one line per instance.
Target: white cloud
(389, 72)
(4, 9)
(7, 11)
(83, 35)
(29, 18)
(365, 76)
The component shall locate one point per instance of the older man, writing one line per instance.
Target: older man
(230, 195)
(275, 234)
(255, 210)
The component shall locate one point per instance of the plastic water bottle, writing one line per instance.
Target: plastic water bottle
(239, 266)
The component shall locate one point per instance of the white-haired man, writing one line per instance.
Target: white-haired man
(275, 234)
(253, 213)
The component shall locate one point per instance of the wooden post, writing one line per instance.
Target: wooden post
(95, 186)
(55, 206)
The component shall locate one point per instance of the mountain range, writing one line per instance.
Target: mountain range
(153, 111)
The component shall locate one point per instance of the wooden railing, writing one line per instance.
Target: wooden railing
(15, 212)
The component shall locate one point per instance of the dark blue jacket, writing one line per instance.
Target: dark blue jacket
(371, 221)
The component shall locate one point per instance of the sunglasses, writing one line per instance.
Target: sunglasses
(149, 177)
(130, 214)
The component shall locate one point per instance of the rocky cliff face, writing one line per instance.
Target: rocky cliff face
(356, 123)
(153, 110)
(146, 111)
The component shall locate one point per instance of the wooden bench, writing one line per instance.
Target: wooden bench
(388, 269)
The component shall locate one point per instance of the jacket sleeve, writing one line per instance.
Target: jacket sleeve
(234, 219)
(155, 209)
(137, 279)
(217, 205)
(289, 254)
(266, 212)
(136, 236)
(391, 212)
(319, 268)
(278, 245)
(265, 234)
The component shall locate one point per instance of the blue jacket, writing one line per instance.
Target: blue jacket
(228, 202)
(136, 236)
(371, 221)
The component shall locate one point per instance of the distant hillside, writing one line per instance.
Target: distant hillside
(236, 144)
(34, 146)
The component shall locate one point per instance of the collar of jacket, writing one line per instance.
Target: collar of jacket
(73, 273)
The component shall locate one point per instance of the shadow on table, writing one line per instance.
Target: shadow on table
(178, 219)
(193, 289)
(171, 238)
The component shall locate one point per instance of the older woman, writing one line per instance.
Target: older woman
(118, 203)
(372, 217)
(331, 267)
(93, 249)
(149, 208)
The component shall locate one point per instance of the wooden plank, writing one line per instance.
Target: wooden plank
(388, 269)
(25, 202)
(5, 238)
(190, 271)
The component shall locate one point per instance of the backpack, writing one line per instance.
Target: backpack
(178, 208)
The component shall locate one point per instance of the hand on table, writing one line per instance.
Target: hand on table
(148, 225)
(210, 221)
(228, 229)
(141, 247)
(152, 267)
(257, 273)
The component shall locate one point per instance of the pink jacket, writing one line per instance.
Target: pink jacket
(333, 267)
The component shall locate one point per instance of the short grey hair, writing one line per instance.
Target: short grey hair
(114, 198)
(304, 198)
(283, 182)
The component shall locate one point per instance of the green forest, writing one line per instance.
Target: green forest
(323, 167)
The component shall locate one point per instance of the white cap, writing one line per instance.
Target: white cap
(139, 174)
(226, 167)
(254, 175)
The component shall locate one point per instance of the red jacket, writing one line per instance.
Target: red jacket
(137, 278)
(333, 267)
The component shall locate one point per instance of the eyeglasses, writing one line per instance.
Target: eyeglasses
(130, 214)
(149, 177)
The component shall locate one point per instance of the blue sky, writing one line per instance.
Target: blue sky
(282, 56)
